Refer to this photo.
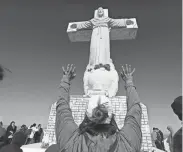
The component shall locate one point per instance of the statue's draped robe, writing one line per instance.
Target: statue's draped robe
(100, 40)
(128, 139)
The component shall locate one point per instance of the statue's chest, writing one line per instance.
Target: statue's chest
(100, 77)
(103, 22)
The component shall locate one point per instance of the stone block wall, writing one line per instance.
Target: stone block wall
(79, 104)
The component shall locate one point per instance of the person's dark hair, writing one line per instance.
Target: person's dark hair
(155, 129)
(33, 125)
(177, 107)
(39, 125)
(99, 114)
(1, 123)
(12, 123)
(94, 124)
(23, 126)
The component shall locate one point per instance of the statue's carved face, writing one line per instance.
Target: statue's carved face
(100, 12)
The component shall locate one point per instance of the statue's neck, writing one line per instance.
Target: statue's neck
(100, 18)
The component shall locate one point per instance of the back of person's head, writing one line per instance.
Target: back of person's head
(28, 131)
(177, 107)
(19, 138)
(155, 129)
(99, 114)
(33, 125)
(23, 126)
(12, 123)
(96, 124)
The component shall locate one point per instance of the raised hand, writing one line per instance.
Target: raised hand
(169, 128)
(127, 73)
(69, 72)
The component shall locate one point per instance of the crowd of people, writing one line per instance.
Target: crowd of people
(25, 135)
(98, 132)
(174, 140)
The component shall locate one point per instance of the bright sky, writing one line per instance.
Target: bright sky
(34, 45)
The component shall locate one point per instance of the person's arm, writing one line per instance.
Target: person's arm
(132, 124)
(65, 125)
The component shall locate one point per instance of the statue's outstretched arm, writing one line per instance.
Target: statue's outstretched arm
(81, 25)
(119, 22)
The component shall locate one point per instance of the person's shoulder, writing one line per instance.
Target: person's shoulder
(52, 148)
(10, 147)
(178, 133)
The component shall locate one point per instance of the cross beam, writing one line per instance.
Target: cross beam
(84, 35)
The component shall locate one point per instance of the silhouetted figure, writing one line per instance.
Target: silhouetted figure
(158, 138)
(33, 129)
(10, 132)
(2, 132)
(37, 135)
(2, 135)
(18, 140)
(177, 138)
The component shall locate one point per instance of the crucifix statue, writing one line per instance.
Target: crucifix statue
(100, 73)
(101, 26)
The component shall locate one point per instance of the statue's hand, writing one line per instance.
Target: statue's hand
(69, 72)
(74, 26)
(129, 22)
(127, 73)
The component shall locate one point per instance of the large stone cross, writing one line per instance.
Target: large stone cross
(115, 34)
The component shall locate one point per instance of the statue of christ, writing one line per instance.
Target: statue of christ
(100, 40)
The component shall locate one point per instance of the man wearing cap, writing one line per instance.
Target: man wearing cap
(98, 132)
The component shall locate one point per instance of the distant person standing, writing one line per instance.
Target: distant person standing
(157, 137)
(37, 135)
(2, 135)
(2, 132)
(23, 128)
(10, 132)
(33, 129)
